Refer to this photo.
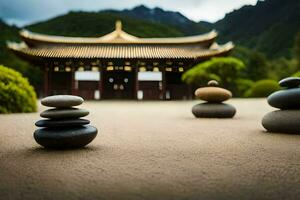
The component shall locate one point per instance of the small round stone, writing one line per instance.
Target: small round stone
(282, 121)
(62, 101)
(65, 138)
(62, 122)
(285, 99)
(213, 83)
(213, 94)
(64, 113)
(291, 82)
(213, 110)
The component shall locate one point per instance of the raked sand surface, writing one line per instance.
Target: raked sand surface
(153, 150)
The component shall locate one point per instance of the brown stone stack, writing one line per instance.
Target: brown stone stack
(214, 106)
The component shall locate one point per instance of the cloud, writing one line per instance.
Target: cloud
(23, 12)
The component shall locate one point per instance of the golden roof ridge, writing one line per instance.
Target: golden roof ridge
(117, 36)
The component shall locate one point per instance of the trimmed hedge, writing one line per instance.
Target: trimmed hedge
(263, 88)
(16, 94)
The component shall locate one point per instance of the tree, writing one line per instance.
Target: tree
(226, 70)
(257, 65)
(263, 88)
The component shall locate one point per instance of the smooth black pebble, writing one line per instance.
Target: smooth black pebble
(65, 138)
(282, 121)
(62, 122)
(285, 99)
(213, 110)
(291, 82)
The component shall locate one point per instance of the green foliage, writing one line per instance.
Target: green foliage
(297, 74)
(257, 65)
(263, 88)
(281, 68)
(224, 70)
(16, 94)
(198, 77)
(242, 86)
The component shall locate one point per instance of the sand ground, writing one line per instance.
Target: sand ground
(154, 150)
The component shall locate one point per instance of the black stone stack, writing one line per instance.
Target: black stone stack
(287, 119)
(214, 107)
(64, 128)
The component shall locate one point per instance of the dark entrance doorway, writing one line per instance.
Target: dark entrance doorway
(61, 83)
(118, 85)
(175, 89)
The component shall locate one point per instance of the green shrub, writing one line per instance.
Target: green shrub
(198, 77)
(16, 94)
(263, 88)
(242, 86)
(223, 69)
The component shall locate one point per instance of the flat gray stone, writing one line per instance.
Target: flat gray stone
(285, 99)
(291, 82)
(282, 121)
(62, 122)
(64, 113)
(62, 101)
(65, 138)
(213, 110)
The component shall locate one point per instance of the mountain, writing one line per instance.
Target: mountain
(140, 21)
(269, 27)
(158, 15)
(94, 24)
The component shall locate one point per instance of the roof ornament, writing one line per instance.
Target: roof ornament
(118, 26)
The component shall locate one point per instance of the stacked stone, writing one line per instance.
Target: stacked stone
(214, 106)
(287, 119)
(64, 127)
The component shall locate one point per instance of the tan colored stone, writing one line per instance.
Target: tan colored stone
(213, 94)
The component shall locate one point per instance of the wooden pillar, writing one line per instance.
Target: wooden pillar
(136, 86)
(73, 84)
(46, 81)
(50, 75)
(101, 82)
(164, 84)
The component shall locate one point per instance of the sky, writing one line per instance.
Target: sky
(23, 12)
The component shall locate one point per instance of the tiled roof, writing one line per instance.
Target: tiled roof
(120, 51)
(119, 44)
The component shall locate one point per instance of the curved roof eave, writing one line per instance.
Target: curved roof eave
(115, 37)
(86, 53)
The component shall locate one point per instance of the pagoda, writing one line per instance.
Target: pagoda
(117, 65)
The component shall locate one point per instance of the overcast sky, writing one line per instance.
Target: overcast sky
(23, 12)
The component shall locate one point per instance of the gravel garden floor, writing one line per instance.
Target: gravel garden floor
(153, 150)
